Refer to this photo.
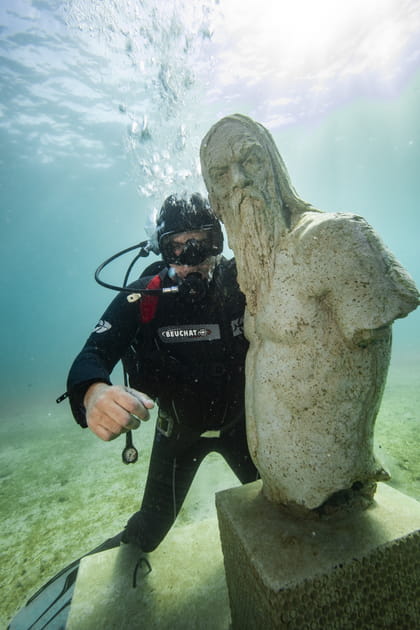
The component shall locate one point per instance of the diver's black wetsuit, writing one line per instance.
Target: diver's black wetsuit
(190, 357)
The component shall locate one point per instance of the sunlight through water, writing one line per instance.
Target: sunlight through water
(162, 70)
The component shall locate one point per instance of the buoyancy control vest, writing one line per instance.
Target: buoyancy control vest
(191, 356)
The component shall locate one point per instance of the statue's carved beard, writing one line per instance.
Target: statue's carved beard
(247, 218)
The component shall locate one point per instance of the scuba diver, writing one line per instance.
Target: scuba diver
(179, 335)
(178, 331)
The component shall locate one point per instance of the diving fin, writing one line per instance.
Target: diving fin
(49, 607)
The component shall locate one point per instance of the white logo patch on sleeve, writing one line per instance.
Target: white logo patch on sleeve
(102, 326)
(237, 326)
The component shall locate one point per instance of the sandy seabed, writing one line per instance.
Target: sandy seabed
(63, 491)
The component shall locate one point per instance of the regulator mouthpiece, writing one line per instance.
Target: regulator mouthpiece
(194, 287)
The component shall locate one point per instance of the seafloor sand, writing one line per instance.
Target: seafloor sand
(63, 491)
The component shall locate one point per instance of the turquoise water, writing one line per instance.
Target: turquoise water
(102, 109)
(80, 81)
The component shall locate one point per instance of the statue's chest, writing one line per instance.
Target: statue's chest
(290, 308)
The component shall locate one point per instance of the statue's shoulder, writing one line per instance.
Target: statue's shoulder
(313, 223)
(347, 245)
(327, 228)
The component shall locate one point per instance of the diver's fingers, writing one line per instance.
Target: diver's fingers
(103, 432)
(110, 411)
(135, 403)
(124, 412)
(144, 404)
(116, 402)
(106, 426)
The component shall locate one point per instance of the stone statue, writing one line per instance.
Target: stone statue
(322, 292)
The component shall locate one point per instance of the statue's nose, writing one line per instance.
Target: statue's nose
(239, 177)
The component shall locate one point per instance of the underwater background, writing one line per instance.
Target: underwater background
(103, 105)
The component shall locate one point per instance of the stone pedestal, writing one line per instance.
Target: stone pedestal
(354, 572)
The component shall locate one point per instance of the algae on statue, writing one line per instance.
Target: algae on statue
(322, 292)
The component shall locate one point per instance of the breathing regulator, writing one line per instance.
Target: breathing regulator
(176, 216)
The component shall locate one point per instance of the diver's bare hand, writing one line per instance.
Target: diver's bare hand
(113, 409)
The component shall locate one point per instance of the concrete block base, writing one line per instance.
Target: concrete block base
(354, 572)
(186, 589)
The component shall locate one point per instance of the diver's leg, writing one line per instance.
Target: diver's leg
(233, 446)
(173, 464)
